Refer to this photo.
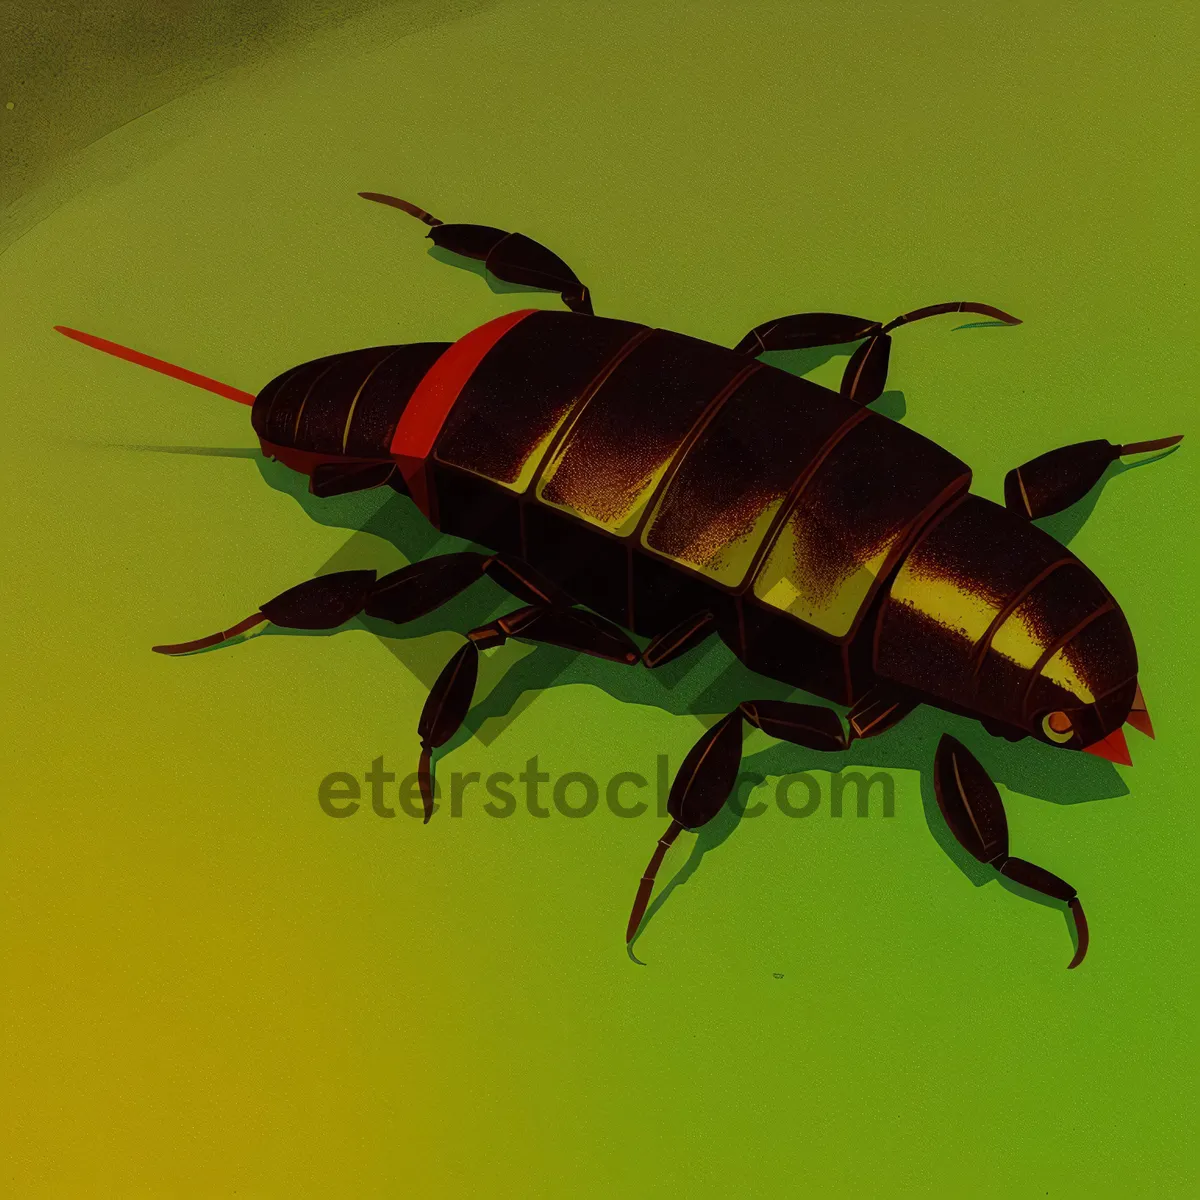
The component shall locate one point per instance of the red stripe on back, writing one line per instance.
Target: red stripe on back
(430, 405)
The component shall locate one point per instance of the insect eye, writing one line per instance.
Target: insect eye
(1057, 727)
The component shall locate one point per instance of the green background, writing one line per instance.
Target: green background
(211, 988)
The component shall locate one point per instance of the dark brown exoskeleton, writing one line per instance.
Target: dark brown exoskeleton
(680, 489)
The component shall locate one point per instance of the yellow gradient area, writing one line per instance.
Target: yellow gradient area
(806, 575)
(1060, 669)
(965, 611)
(1019, 640)
(609, 505)
(212, 989)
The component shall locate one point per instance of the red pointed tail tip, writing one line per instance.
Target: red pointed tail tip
(1141, 722)
(157, 364)
(1114, 748)
(1139, 717)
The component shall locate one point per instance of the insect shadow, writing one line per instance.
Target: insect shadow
(705, 684)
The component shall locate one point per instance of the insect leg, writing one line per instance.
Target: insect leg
(450, 698)
(877, 712)
(709, 772)
(512, 257)
(1056, 480)
(971, 805)
(806, 725)
(331, 600)
(803, 331)
(526, 584)
(418, 589)
(322, 603)
(667, 647)
(866, 372)
(956, 306)
(577, 629)
(698, 792)
(336, 479)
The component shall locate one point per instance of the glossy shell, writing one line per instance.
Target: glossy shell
(994, 616)
(661, 451)
(655, 476)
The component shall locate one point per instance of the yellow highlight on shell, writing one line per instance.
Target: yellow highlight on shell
(941, 598)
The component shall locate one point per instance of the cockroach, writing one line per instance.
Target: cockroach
(630, 479)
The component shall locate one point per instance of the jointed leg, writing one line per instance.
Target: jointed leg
(668, 646)
(708, 773)
(971, 804)
(322, 603)
(877, 711)
(331, 600)
(866, 372)
(450, 698)
(512, 257)
(1056, 480)
(550, 620)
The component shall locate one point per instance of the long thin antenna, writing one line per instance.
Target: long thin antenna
(403, 205)
(157, 364)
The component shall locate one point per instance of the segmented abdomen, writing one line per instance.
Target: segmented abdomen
(990, 613)
(617, 457)
(343, 405)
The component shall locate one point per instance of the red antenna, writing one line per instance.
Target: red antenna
(157, 364)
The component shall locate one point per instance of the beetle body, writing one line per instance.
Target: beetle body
(651, 475)
(678, 488)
